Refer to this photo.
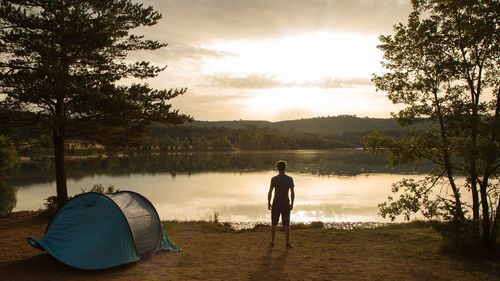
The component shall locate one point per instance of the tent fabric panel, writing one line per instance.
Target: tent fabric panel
(142, 219)
(90, 232)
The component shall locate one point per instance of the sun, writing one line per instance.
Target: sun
(308, 57)
(303, 70)
(283, 103)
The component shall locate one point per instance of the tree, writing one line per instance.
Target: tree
(8, 198)
(248, 141)
(443, 65)
(60, 64)
(8, 155)
(222, 143)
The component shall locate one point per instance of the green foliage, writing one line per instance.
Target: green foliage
(99, 188)
(222, 143)
(416, 197)
(320, 133)
(214, 218)
(50, 206)
(51, 201)
(193, 137)
(63, 61)
(8, 199)
(8, 155)
(325, 125)
(443, 66)
(460, 237)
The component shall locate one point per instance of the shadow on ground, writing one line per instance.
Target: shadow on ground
(271, 268)
(45, 267)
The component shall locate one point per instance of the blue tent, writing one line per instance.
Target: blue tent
(95, 231)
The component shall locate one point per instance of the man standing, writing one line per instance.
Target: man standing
(282, 205)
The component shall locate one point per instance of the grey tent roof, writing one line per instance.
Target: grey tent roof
(142, 218)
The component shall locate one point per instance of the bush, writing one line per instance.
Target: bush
(8, 155)
(100, 189)
(51, 201)
(460, 237)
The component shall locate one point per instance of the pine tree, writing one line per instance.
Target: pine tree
(60, 64)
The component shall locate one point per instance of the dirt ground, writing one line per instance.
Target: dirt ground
(214, 252)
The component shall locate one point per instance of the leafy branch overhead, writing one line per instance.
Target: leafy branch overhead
(443, 66)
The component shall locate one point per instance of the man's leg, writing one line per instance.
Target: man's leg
(287, 234)
(273, 233)
(286, 225)
(275, 215)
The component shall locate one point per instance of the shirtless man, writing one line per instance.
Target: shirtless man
(281, 205)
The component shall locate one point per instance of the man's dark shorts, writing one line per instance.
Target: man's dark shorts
(284, 211)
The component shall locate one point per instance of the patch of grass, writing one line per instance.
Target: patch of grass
(314, 224)
(463, 239)
(215, 217)
(200, 226)
(408, 225)
(217, 252)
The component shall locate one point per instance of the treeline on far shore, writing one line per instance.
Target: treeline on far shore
(313, 133)
(249, 137)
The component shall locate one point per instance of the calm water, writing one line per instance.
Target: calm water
(331, 186)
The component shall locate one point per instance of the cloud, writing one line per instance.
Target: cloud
(252, 81)
(263, 81)
(212, 106)
(191, 27)
(341, 83)
(202, 21)
(193, 52)
(178, 51)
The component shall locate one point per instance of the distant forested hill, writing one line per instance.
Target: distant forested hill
(319, 125)
(338, 124)
(235, 124)
(313, 133)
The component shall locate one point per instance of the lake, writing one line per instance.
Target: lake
(331, 186)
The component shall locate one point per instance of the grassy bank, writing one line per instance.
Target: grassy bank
(216, 252)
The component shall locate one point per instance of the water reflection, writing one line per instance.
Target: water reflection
(239, 197)
(331, 186)
(319, 162)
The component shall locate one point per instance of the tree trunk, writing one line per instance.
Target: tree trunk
(474, 118)
(496, 225)
(486, 211)
(492, 233)
(447, 162)
(475, 200)
(62, 191)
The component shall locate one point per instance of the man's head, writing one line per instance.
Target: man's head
(281, 166)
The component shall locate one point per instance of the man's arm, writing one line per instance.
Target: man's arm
(269, 195)
(292, 196)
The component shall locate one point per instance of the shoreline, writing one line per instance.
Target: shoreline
(246, 225)
(312, 224)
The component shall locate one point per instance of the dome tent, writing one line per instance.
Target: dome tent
(96, 231)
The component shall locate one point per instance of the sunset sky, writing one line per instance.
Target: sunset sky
(273, 59)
